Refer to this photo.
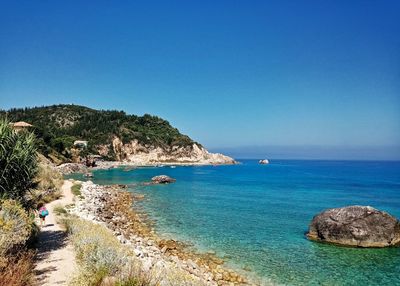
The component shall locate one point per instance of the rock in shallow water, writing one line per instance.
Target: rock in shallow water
(359, 226)
(162, 179)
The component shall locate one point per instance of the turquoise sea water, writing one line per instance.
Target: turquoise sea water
(255, 216)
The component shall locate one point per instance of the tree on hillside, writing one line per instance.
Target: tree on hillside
(18, 162)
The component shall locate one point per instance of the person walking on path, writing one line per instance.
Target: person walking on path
(43, 212)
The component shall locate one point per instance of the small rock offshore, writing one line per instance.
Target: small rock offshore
(162, 179)
(112, 207)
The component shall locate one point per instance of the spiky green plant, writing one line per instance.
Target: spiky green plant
(18, 162)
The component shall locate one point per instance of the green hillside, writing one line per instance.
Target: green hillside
(58, 126)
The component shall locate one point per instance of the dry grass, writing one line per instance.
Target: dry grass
(49, 182)
(60, 210)
(16, 228)
(48, 178)
(18, 271)
(102, 259)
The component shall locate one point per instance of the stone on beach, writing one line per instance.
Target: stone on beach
(358, 226)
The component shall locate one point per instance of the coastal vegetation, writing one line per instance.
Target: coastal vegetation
(76, 189)
(48, 183)
(18, 164)
(102, 259)
(58, 126)
(60, 210)
(25, 182)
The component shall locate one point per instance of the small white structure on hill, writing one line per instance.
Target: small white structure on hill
(20, 125)
(80, 143)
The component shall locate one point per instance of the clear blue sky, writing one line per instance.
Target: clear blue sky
(231, 74)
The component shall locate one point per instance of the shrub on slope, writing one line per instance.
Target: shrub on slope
(16, 228)
(101, 257)
(18, 162)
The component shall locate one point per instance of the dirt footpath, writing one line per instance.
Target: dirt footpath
(55, 259)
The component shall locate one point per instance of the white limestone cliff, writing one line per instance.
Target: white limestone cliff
(136, 153)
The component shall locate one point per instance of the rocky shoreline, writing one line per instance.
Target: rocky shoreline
(112, 207)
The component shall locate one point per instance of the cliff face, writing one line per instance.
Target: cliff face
(135, 152)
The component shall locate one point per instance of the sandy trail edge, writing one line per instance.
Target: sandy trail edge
(55, 261)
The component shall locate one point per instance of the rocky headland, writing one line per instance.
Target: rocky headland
(357, 226)
(146, 154)
(112, 207)
(73, 132)
(141, 157)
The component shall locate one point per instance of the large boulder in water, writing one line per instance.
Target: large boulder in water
(359, 226)
(162, 179)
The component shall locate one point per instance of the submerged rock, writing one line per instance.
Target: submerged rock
(359, 226)
(162, 179)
